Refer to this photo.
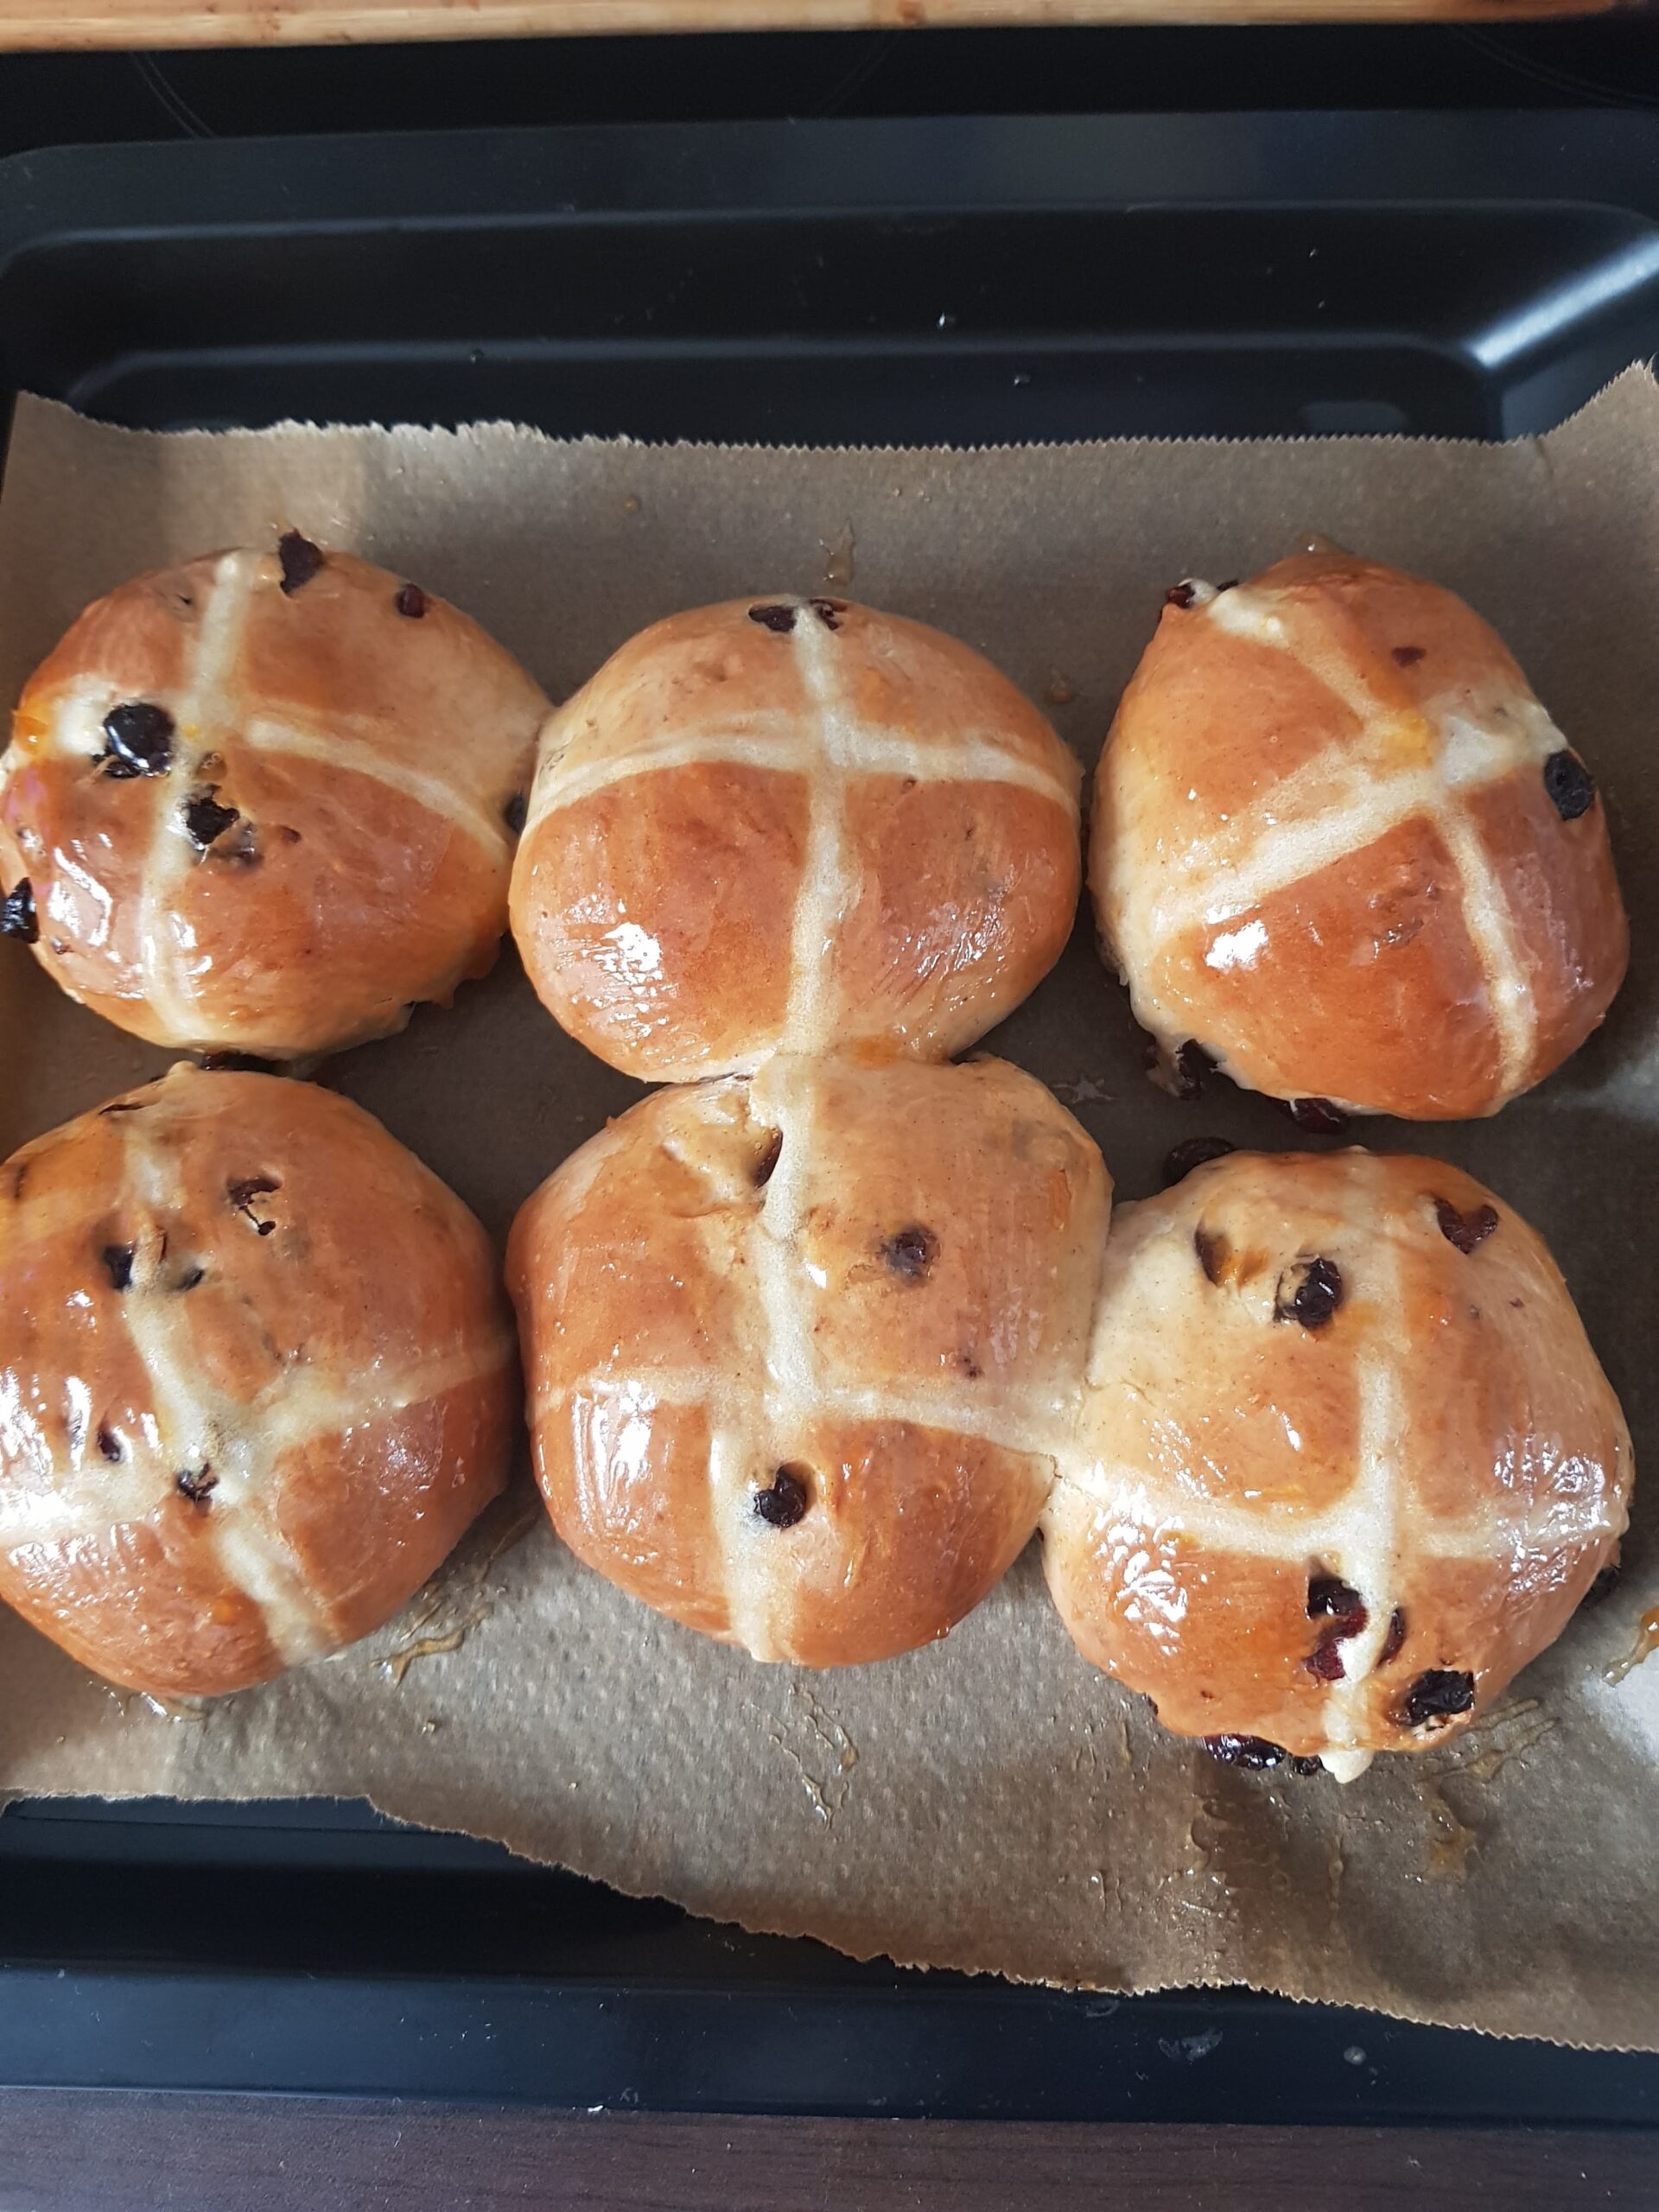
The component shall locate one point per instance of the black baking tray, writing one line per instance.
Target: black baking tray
(961, 280)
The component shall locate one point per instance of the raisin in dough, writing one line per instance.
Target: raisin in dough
(256, 1377)
(799, 1349)
(264, 802)
(778, 825)
(1346, 1460)
(1338, 843)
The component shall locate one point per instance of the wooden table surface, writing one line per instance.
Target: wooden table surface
(59, 23)
(78, 2151)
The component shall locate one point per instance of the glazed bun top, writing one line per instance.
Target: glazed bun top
(257, 1375)
(780, 824)
(1338, 843)
(1348, 1460)
(265, 801)
(798, 1348)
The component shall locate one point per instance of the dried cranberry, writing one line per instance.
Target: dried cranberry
(1331, 1598)
(1436, 1695)
(17, 915)
(1317, 1294)
(411, 601)
(1317, 1116)
(1465, 1230)
(206, 819)
(1408, 656)
(1191, 1153)
(1571, 786)
(769, 1159)
(780, 619)
(911, 1252)
(1395, 1638)
(117, 1260)
(198, 1484)
(783, 1505)
(1180, 594)
(1253, 1751)
(138, 739)
(301, 561)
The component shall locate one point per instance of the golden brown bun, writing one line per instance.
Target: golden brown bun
(260, 1378)
(793, 826)
(367, 737)
(1313, 1416)
(877, 1281)
(1324, 847)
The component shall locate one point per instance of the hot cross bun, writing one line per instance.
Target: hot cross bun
(257, 1373)
(266, 802)
(1346, 1460)
(785, 825)
(798, 1348)
(1339, 845)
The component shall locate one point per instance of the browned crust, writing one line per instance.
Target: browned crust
(371, 1268)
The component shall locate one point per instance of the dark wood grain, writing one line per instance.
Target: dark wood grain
(69, 2150)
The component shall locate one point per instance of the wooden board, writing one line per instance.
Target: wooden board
(76, 2151)
(41, 23)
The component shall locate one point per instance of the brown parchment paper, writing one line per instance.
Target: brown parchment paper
(991, 1802)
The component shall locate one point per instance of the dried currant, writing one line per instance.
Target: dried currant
(17, 915)
(787, 1501)
(1331, 1598)
(1436, 1695)
(1408, 656)
(410, 602)
(1316, 1291)
(911, 1252)
(1253, 1751)
(204, 818)
(197, 1484)
(1602, 1586)
(1395, 1638)
(138, 739)
(1465, 1230)
(1191, 1153)
(829, 612)
(301, 561)
(515, 813)
(118, 1264)
(1317, 1116)
(242, 1194)
(1571, 786)
(780, 619)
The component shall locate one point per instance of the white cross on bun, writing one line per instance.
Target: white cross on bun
(264, 802)
(783, 824)
(1346, 1460)
(798, 1349)
(257, 1375)
(1338, 845)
